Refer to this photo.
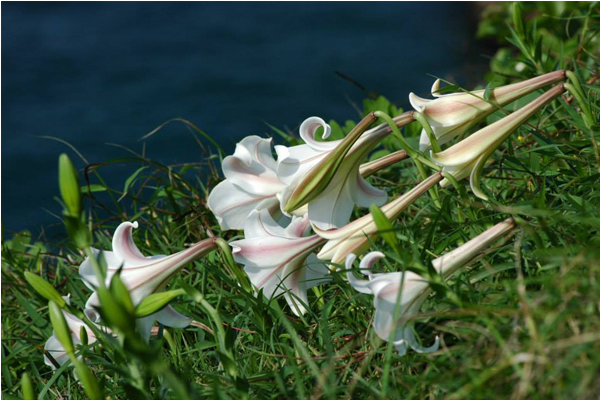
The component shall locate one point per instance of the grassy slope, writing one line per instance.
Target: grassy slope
(522, 321)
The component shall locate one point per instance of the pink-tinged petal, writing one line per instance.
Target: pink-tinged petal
(252, 167)
(168, 316)
(124, 247)
(294, 281)
(293, 163)
(360, 285)
(317, 272)
(55, 349)
(274, 257)
(86, 271)
(232, 205)
(308, 131)
(262, 224)
(364, 194)
(298, 227)
(409, 336)
(333, 207)
(366, 264)
(435, 88)
(418, 103)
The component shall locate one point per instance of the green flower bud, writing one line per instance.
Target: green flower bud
(68, 181)
(61, 328)
(156, 302)
(27, 387)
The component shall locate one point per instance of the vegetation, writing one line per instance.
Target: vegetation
(521, 321)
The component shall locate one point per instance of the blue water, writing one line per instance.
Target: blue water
(96, 73)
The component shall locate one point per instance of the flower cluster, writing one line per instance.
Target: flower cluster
(295, 208)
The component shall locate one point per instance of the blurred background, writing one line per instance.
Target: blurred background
(93, 74)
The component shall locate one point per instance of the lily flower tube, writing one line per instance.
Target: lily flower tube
(402, 294)
(452, 115)
(142, 275)
(354, 237)
(468, 156)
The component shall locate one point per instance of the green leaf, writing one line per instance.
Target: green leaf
(45, 289)
(156, 302)
(130, 180)
(385, 227)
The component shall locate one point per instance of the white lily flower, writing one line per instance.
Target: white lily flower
(280, 260)
(451, 115)
(411, 290)
(386, 290)
(55, 348)
(332, 207)
(142, 275)
(462, 158)
(251, 183)
(354, 237)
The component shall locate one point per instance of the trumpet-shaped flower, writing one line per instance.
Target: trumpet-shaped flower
(54, 347)
(451, 115)
(142, 275)
(251, 183)
(354, 237)
(462, 158)
(280, 260)
(407, 291)
(327, 174)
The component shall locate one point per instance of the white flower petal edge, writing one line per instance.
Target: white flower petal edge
(279, 260)
(142, 275)
(251, 183)
(388, 289)
(451, 115)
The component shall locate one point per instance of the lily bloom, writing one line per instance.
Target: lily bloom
(280, 260)
(411, 290)
(142, 275)
(331, 196)
(251, 183)
(55, 348)
(460, 159)
(451, 115)
(354, 237)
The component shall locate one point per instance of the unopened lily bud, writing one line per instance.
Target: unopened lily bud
(68, 181)
(452, 115)
(61, 328)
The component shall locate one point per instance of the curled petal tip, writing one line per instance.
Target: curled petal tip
(417, 102)
(435, 88)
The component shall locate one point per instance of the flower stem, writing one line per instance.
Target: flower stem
(435, 146)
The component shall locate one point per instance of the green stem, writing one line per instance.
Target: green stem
(414, 155)
(435, 146)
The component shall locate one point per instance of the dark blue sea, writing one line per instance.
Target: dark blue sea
(98, 73)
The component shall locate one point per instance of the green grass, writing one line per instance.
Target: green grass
(522, 321)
